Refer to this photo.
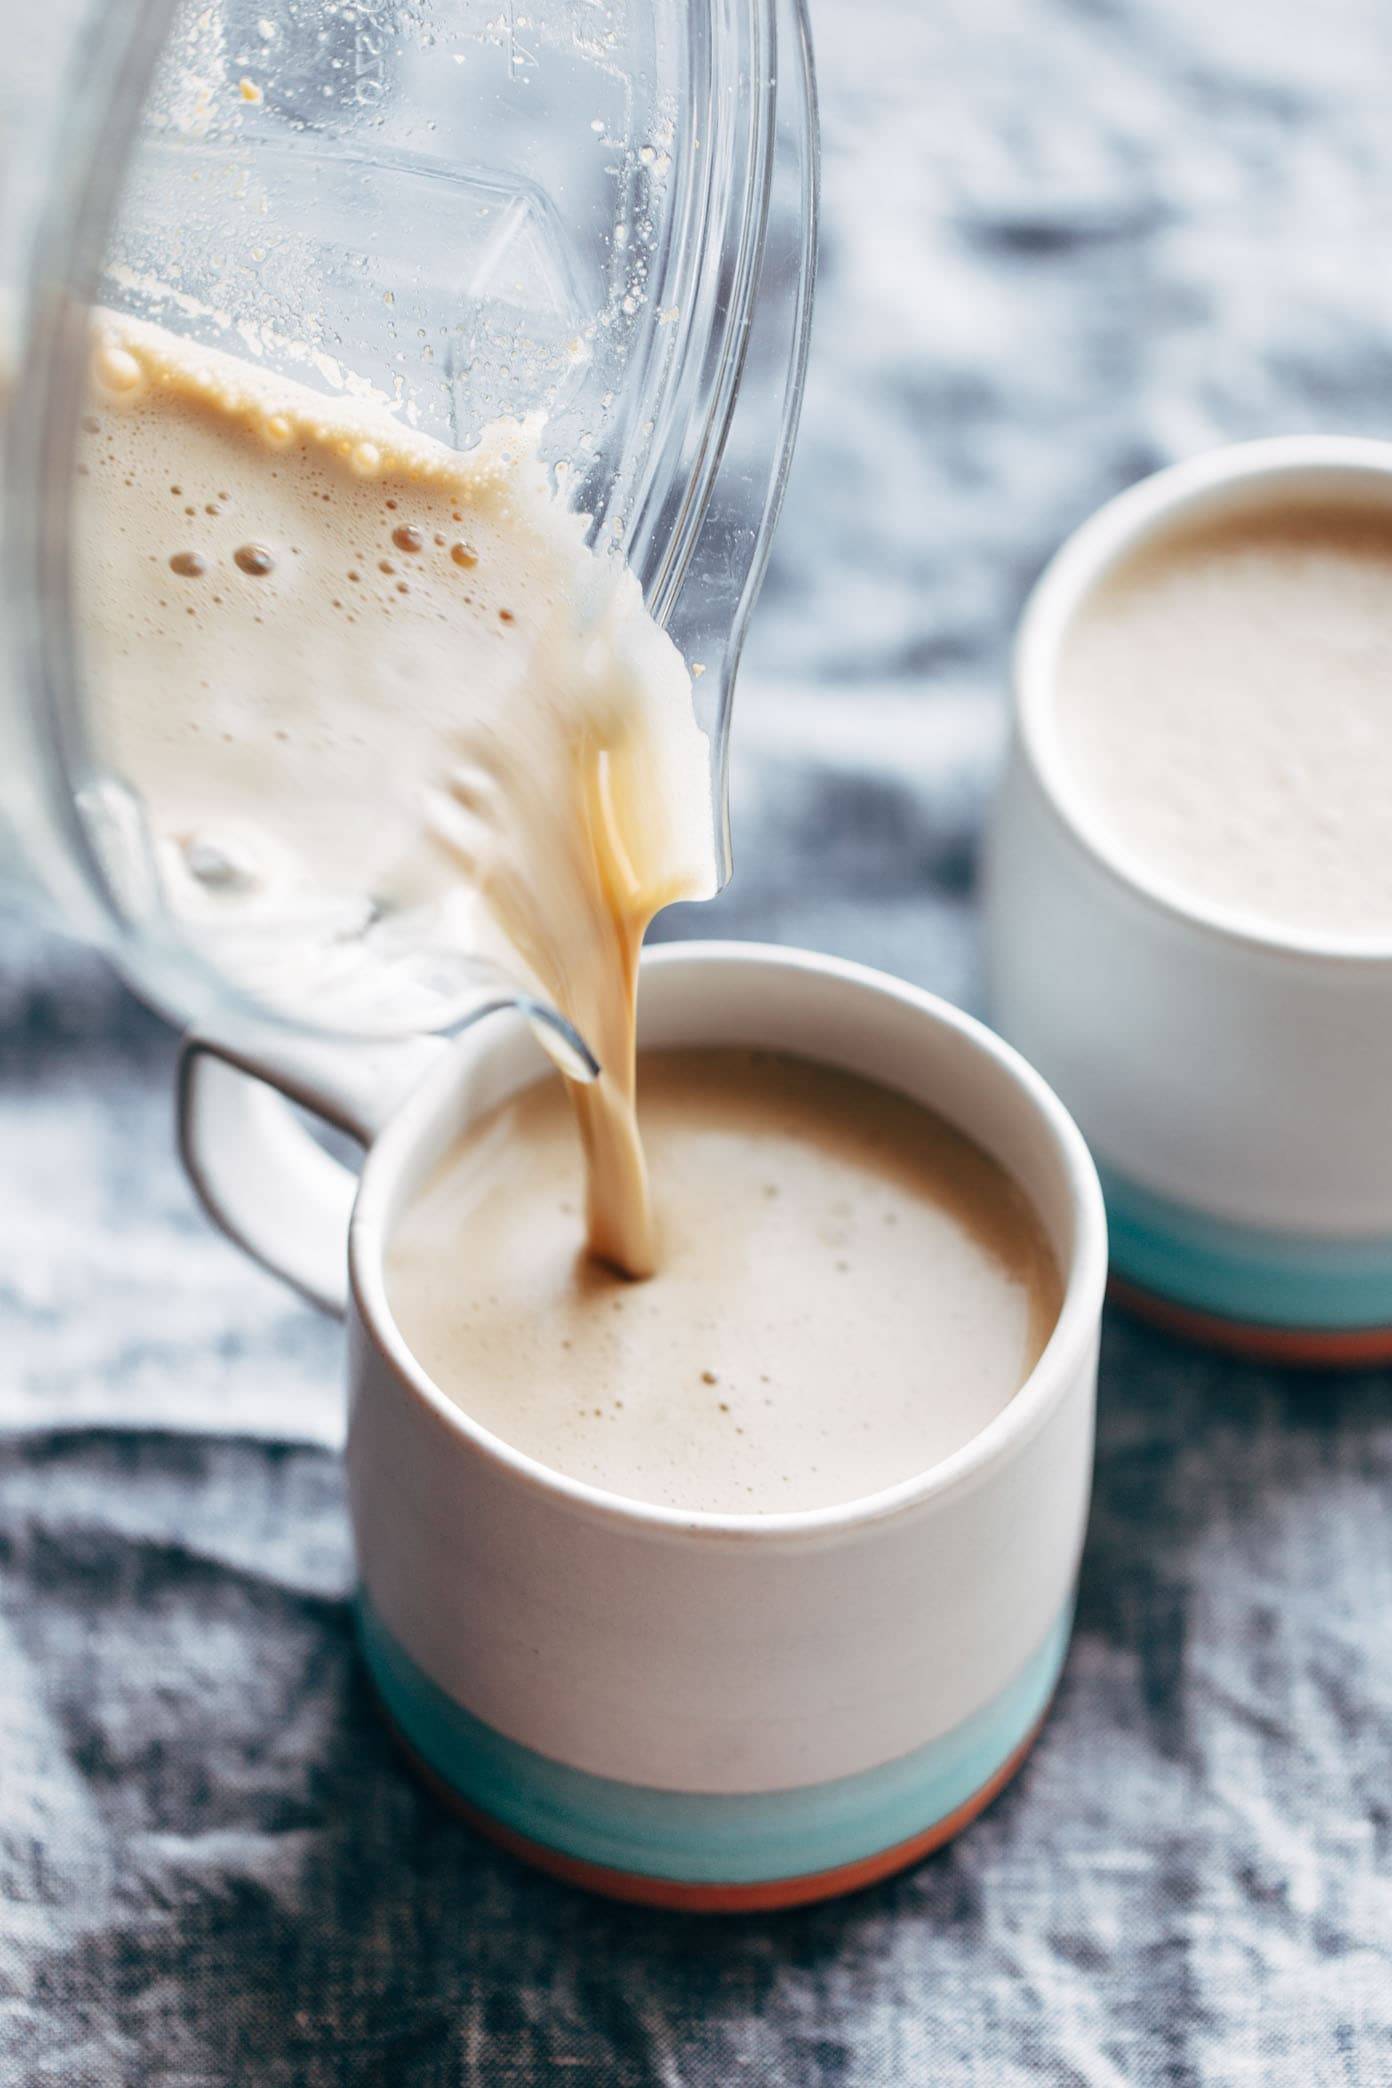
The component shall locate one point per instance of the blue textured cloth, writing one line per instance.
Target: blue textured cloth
(1066, 241)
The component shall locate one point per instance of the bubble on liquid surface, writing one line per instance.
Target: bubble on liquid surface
(215, 868)
(116, 369)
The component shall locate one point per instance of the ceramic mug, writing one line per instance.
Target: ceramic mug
(1234, 1083)
(695, 1710)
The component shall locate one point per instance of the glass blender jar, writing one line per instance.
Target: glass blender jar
(600, 212)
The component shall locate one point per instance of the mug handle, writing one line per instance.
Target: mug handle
(256, 1167)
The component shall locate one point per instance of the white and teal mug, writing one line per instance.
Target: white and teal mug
(1234, 1083)
(693, 1710)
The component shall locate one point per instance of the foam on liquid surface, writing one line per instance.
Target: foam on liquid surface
(848, 1289)
(1224, 703)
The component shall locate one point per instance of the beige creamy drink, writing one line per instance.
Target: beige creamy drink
(848, 1289)
(358, 677)
(1225, 704)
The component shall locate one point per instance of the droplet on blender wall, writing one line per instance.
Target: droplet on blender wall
(406, 538)
(188, 565)
(215, 868)
(254, 559)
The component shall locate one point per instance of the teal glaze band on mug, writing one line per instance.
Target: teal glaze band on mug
(700, 1837)
(1239, 1273)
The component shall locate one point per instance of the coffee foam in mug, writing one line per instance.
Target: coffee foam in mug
(850, 1289)
(1224, 712)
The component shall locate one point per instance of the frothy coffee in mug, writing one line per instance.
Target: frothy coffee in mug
(1224, 702)
(849, 1289)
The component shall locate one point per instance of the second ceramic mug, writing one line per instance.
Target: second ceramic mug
(1234, 1084)
(695, 1710)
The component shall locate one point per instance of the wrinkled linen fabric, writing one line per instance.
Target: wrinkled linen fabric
(1065, 243)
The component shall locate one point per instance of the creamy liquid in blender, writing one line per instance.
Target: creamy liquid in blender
(353, 673)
